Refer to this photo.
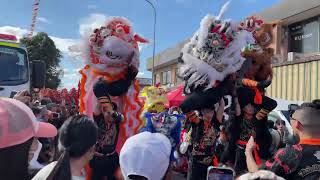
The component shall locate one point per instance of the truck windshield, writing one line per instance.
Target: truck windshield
(13, 66)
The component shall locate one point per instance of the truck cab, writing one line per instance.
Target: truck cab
(16, 71)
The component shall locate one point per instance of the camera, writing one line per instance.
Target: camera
(118, 117)
(55, 115)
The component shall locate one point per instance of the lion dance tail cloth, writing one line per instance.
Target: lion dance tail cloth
(113, 55)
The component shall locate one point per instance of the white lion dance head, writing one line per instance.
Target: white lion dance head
(213, 52)
(114, 45)
(113, 55)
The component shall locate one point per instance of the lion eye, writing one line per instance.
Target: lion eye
(109, 53)
(111, 56)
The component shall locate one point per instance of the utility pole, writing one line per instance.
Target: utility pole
(154, 38)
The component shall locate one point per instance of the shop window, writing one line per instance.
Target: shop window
(157, 77)
(304, 36)
(164, 78)
(178, 79)
(169, 81)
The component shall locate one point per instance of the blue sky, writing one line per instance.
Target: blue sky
(66, 20)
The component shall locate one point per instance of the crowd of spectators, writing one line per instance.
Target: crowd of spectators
(45, 139)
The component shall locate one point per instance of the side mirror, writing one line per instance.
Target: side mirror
(293, 107)
(38, 74)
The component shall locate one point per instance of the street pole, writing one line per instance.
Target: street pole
(154, 38)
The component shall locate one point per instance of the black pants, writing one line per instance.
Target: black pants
(240, 164)
(105, 166)
(201, 99)
(196, 170)
(233, 131)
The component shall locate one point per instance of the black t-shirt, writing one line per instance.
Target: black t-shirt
(296, 162)
(107, 135)
(203, 138)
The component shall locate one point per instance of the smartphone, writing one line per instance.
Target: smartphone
(13, 93)
(55, 115)
(220, 173)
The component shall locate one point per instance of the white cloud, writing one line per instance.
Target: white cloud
(71, 76)
(92, 7)
(62, 43)
(17, 31)
(66, 70)
(77, 70)
(88, 24)
(141, 46)
(140, 74)
(70, 84)
(71, 71)
(43, 20)
(71, 48)
(76, 50)
(65, 44)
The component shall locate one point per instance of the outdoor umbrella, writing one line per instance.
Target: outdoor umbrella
(176, 96)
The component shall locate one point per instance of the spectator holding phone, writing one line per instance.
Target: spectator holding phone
(285, 136)
(23, 96)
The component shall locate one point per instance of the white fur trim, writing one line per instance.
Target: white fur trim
(231, 57)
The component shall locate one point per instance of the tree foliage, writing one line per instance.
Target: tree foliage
(41, 47)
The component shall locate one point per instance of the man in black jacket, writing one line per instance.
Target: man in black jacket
(300, 161)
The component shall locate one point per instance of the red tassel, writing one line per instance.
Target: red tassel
(89, 172)
(258, 96)
(215, 161)
(256, 155)
(140, 39)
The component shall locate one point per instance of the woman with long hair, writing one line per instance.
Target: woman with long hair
(77, 139)
(19, 130)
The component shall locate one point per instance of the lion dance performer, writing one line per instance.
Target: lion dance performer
(254, 76)
(213, 53)
(113, 55)
(256, 73)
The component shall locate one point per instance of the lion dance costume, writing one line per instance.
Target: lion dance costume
(113, 55)
(212, 54)
(256, 73)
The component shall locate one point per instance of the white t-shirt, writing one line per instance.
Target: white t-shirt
(44, 173)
